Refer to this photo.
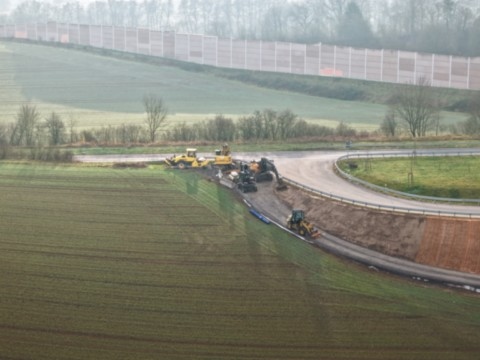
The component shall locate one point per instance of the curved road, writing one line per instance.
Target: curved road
(314, 169)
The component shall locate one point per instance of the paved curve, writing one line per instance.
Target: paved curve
(314, 169)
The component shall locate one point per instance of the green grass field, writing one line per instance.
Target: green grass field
(451, 176)
(103, 263)
(96, 91)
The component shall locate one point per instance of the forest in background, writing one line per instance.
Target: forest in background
(449, 27)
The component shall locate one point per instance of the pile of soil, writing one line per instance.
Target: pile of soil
(391, 234)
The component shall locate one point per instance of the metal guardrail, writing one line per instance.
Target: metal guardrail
(396, 209)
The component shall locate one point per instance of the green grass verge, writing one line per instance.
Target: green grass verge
(148, 263)
(449, 177)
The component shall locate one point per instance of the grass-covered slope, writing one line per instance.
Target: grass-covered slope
(448, 177)
(96, 90)
(102, 263)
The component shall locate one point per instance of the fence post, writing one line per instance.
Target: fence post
(290, 57)
(320, 59)
(365, 61)
(433, 69)
(163, 42)
(275, 51)
(381, 65)
(261, 55)
(398, 66)
(335, 59)
(468, 74)
(415, 68)
(350, 62)
(450, 72)
(305, 60)
(149, 41)
(245, 64)
(136, 39)
(89, 35)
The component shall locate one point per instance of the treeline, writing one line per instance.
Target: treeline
(415, 113)
(266, 125)
(32, 132)
(438, 26)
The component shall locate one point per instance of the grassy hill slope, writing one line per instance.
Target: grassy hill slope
(96, 90)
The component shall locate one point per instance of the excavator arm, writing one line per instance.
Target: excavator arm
(267, 166)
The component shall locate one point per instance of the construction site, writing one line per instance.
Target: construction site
(435, 242)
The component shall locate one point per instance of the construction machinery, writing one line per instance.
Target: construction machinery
(245, 180)
(296, 222)
(188, 160)
(223, 158)
(262, 171)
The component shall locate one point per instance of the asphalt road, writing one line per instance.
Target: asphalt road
(314, 169)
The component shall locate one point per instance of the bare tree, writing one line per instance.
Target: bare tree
(389, 124)
(56, 129)
(416, 106)
(72, 123)
(27, 119)
(156, 114)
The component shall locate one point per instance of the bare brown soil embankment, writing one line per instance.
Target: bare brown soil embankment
(447, 243)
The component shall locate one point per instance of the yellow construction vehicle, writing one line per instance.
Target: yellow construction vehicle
(188, 160)
(296, 221)
(223, 157)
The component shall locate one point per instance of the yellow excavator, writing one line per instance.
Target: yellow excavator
(296, 222)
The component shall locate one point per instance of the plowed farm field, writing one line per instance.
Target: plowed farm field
(105, 263)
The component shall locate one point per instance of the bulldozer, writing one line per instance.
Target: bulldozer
(223, 157)
(296, 222)
(262, 171)
(188, 160)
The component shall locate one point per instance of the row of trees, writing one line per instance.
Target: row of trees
(416, 111)
(439, 26)
(29, 130)
(413, 110)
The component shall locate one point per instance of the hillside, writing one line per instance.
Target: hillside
(96, 90)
